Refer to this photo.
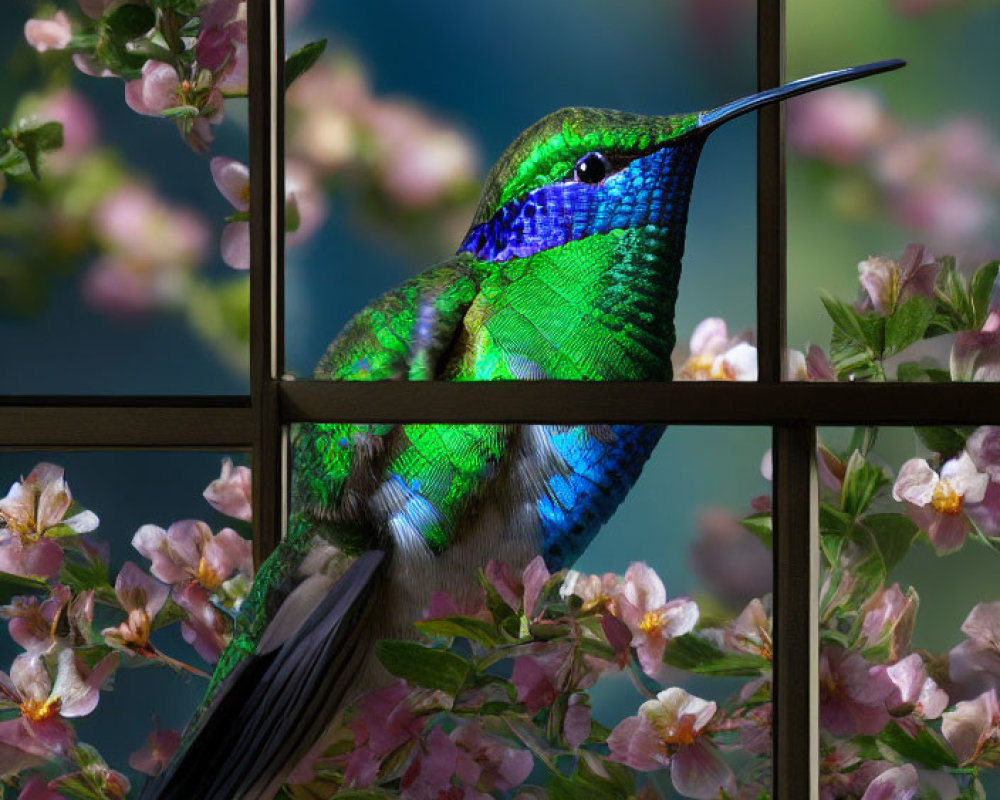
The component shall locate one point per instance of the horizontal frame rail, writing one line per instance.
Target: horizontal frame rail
(699, 403)
(212, 423)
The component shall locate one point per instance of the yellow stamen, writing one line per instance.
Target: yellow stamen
(206, 576)
(39, 710)
(652, 621)
(945, 499)
(244, 193)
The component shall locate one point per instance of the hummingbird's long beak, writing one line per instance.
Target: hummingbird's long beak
(709, 120)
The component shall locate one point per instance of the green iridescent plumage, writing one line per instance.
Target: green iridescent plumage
(569, 271)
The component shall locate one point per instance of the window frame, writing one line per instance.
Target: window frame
(259, 422)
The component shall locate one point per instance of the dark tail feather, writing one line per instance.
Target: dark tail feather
(274, 706)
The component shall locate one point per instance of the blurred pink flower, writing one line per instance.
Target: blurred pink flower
(486, 763)
(141, 597)
(972, 729)
(889, 616)
(915, 7)
(205, 628)
(733, 563)
(95, 9)
(230, 492)
(80, 127)
(189, 551)
(90, 66)
(839, 125)
(32, 622)
(149, 246)
(307, 198)
(935, 502)
(898, 783)
(418, 159)
(716, 356)
(295, 10)
(975, 355)
(672, 731)
(853, 693)
(887, 284)
(983, 447)
(49, 34)
(653, 621)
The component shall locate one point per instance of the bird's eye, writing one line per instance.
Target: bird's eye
(591, 168)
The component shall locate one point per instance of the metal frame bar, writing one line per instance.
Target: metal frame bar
(792, 410)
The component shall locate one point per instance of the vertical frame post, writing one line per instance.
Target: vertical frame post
(795, 688)
(266, 89)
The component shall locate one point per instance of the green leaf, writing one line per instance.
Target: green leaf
(833, 520)
(908, 324)
(129, 21)
(953, 297)
(916, 372)
(461, 627)
(865, 329)
(695, 654)
(862, 482)
(945, 440)
(423, 666)
(301, 60)
(14, 585)
(49, 135)
(926, 749)
(180, 112)
(893, 535)
(981, 291)
(760, 525)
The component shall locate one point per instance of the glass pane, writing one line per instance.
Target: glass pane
(114, 571)
(111, 273)
(533, 676)
(391, 135)
(908, 661)
(880, 166)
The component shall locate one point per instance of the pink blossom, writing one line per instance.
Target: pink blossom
(983, 447)
(818, 367)
(733, 563)
(158, 89)
(672, 731)
(142, 598)
(889, 616)
(853, 693)
(308, 199)
(974, 665)
(596, 591)
(653, 621)
(486, 763)
(189, 551)
(839, 125)
(755, 729)
(49, 34)
(844, 774)
(431, 771)
(914, 691)
(972, 729)
(95, 9)
(898, 783)
(888, 284)
(32, 623)
(42, 703)
(935, 502)
(90, 66)
(230, 492)
(37, 789)
(233, 180)
(222, 44)
(975, 355)
(521, 593)
(577, 722)
(716, 356)
(750, 632)
(154, 756)
(538, 678)
(384, 723)
(205, 628)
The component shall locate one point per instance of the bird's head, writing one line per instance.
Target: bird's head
(584, 171)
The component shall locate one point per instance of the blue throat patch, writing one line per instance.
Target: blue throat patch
(651, 190)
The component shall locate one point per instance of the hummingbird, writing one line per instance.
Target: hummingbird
(569, 271)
